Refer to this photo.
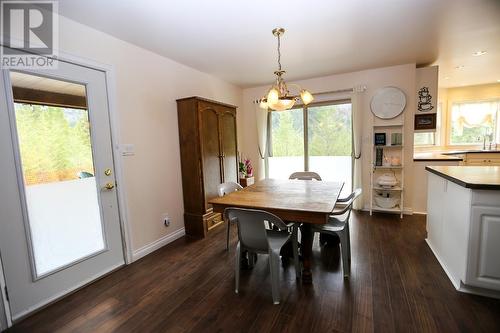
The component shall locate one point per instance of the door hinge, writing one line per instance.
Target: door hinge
(6, 293)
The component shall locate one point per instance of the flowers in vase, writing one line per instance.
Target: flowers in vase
(246, 168)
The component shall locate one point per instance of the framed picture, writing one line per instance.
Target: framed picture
(379, 139)
(425, 121)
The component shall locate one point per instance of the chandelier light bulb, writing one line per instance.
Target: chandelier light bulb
(273, 96)
(283, 104)
(306, 96)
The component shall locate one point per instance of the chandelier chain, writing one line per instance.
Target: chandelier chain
(279, 52)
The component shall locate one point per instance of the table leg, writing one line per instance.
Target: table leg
(306, 247)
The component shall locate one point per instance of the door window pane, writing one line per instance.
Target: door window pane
(58, 171)
(330, 143)
(287, 143)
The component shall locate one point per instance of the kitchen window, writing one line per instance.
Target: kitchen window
(474, 122)
(314, 138)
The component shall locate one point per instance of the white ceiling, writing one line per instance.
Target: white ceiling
(232, 39)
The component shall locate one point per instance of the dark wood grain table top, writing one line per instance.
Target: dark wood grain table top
(285, 198)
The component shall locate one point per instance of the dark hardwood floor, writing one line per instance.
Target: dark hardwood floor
(396, 285)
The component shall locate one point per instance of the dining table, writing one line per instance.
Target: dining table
(306, 202)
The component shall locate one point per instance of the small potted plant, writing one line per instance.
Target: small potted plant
(246, 172)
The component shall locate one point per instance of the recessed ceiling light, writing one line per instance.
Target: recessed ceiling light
(498, 80)
(478, 53)
(446, 77)
(460, 67)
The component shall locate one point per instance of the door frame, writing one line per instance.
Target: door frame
(110, 78)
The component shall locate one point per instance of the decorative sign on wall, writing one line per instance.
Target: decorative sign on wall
(426, 84)
(425, 121)
(424, 100)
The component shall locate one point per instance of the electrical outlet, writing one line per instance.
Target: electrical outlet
(166, 220)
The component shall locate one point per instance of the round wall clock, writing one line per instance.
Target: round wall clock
(388, 102)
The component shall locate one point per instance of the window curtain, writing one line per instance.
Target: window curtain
(357, 130)
(474, 114)
(261, 118)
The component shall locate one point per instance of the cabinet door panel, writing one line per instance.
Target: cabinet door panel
(210, 147)
(229, 148)
(483, 266)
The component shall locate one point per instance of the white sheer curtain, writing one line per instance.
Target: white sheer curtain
(261, 118)
(357, 132)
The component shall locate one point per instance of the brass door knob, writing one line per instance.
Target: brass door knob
(109, 186)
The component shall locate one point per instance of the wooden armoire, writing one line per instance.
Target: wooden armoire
(209, 156)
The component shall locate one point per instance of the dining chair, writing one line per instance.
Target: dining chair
(338, 224)
(255, 238)
(305, 175)
(222, 190)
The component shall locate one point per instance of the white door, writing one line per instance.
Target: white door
(59, 222)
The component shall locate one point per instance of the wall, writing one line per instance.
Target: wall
(420, 184)
(402, 76)
(147, 86)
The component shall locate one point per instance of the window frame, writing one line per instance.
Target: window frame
(305, 115)
(437, 132)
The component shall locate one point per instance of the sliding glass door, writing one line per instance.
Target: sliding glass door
(286, 143)
(315, 138)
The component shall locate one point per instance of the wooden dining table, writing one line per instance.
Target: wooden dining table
(302, 201)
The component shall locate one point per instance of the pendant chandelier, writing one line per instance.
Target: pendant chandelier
(278, 97)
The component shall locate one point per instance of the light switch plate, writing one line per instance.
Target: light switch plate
(127, 149)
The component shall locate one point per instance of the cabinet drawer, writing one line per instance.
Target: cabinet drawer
(486, 161)
(213, 221)
(482, 159)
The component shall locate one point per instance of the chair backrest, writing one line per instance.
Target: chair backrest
(347, 202)
(251, 227)
(228, 187)
(305, 175)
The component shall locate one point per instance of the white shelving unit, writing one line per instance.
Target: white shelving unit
(391, 150)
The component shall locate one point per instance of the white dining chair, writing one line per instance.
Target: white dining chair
(305, 175)
(338, 224)
(222, 190)
(255, 238)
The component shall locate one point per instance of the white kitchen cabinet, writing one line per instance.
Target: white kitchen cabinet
(463, 231)
(447, 221)
(477, 159)
(484, 248)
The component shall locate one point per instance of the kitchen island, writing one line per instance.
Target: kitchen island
(463, 225)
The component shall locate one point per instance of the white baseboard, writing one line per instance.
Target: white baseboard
(159, 243)
(453, 280)
(406, 210)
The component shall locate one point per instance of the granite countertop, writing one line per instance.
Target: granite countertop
(472, 151)
(435, 156)
(473, 177)
(448, 155)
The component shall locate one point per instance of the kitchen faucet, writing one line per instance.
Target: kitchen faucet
(490, 139)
